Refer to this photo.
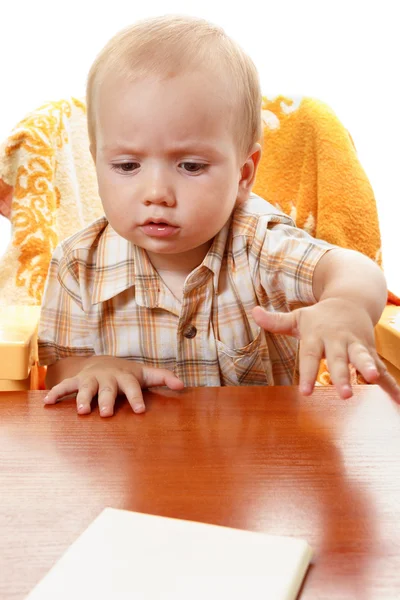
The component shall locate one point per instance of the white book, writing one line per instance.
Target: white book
(126, 555)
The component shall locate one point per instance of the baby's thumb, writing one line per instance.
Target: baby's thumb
(276, 322)
(153, 377)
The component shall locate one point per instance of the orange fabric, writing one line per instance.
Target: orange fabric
(392, 299)
(37, 379)
(48, 190)
(310, 170)
(6, 193)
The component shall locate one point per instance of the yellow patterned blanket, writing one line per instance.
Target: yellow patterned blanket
(309, 169)
(48, 189)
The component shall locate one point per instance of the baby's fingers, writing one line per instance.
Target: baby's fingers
(363, 361)
(310, 354)
(107, 394)
(129, 385)
(87, 391)
(68, 386)
(373, 369)
(338, 364)
(387, 382)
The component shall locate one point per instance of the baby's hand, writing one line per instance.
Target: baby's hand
(339, 330)
(109, 377)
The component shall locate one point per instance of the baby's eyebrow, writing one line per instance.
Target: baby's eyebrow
(120, 148)
(194, 148)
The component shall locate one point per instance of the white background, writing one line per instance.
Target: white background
(346, 53)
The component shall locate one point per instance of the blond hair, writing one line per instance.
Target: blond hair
(170, 45)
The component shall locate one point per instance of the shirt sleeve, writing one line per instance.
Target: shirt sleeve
(287, 262)
(63, 328)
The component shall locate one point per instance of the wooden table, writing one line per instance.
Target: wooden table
(263, 459)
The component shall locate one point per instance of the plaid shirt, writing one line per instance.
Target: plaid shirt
(104, 297)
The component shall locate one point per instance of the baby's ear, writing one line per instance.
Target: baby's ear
(248, 174)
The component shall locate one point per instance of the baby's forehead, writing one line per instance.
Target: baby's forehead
(188, 106)
(188, 94)
(210, 76)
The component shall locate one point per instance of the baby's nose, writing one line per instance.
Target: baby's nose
(159, 190)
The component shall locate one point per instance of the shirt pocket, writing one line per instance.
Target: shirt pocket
(242, 366)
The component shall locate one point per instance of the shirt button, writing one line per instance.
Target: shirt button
(190, 331)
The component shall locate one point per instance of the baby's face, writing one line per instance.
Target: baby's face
(167, 162)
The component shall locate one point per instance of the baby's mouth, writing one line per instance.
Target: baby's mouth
(160, 222)
(159, 228)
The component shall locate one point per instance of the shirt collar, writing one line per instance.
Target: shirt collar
(121, 265)
(213, 259)
(115, 268)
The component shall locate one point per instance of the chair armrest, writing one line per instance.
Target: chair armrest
(18, 340)
(387, 337)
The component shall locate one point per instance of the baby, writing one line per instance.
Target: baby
(190, 279)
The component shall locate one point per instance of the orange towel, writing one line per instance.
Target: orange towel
(310, 170)
(48, 189)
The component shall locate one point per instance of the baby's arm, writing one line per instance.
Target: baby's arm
(349, 275)
(351, 293)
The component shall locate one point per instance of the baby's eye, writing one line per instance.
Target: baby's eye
(193, 167)
(125, 167)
